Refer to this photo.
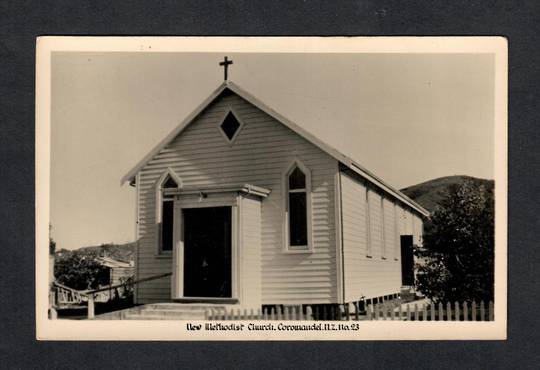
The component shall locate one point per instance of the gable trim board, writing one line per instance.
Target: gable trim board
(228, 85)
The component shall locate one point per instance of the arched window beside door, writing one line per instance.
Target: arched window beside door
(297, 185)
(165, 211)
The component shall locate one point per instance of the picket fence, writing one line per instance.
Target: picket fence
(358, 312)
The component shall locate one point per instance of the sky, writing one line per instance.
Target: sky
(408, 118)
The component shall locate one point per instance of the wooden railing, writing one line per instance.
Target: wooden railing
(92, 293)
(63, 296)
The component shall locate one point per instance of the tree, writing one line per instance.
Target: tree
(52, 243)
(456, 261)
(80, 272)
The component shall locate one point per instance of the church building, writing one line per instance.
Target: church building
(245, 207)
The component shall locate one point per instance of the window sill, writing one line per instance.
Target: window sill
(163, 255)
(297, 251)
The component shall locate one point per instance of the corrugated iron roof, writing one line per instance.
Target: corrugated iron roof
(110, 262)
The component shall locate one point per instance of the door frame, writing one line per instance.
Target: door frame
(197, 201)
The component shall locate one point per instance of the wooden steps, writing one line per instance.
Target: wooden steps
(164, 311)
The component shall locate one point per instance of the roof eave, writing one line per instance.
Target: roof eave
(389, 189)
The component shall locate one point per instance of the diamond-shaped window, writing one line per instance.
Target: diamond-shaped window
(230, 126)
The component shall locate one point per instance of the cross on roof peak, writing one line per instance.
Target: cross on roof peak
(225, 64)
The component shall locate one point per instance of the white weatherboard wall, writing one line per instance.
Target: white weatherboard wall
(417, 229)
(262, 150)
(250, 249)
(405, 221)
(367, 276)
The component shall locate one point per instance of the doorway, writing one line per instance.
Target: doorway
(407, 260)
(207, 252)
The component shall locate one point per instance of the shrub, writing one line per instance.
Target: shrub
(457, 256)
(80, 272)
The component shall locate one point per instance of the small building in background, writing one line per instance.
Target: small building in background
(119, 271)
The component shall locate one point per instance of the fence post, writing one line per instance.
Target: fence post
(272, 314)
(465, 312)
(400, 311)
(53, 313)
(482, 311)
(448, 311)
(376, 307)
(91, 309)
(441, 312)
(424, 312)
(309, 313)
(278, 310)
(432, 311)
(52, 304)
(368, 312)
(415, 312)
(491, 316)
(473, 310)
(456, 307)
(356, 309)
(408, 312)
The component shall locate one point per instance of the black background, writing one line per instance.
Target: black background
(22, 21)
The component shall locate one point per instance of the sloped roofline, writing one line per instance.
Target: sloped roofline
(350, 163)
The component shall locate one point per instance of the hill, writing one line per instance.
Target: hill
(120, 252)
(430, 193)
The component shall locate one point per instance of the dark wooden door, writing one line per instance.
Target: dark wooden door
(207, 252)
(407, 260)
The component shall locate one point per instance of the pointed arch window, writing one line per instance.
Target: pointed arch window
(298, 208)
(165, 211)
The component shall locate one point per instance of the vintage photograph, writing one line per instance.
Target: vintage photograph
(268, 188)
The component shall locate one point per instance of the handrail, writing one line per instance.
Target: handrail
(90, 293)
(67, 288)
(87, 292)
